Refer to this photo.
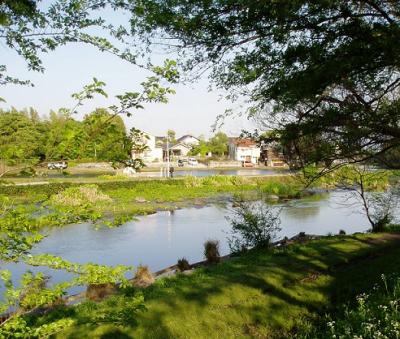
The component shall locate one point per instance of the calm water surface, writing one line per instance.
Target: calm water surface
(160, 239)
(240, 172)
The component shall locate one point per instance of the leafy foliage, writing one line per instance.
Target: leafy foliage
(217, 145)
(374, 315)
(324, 74)
(253, 225)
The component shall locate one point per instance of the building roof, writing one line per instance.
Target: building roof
(242, 142)
(186, 136)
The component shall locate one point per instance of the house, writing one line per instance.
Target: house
(272, 155)
(152, 152)
(188, 140)
(177, 150)
(244, 150)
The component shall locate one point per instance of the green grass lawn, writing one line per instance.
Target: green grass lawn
(259, 295)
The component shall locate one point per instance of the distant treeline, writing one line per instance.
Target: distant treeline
(27, 135)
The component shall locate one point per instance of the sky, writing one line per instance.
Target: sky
(192, 110)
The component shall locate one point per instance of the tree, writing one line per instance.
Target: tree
(171, 135)
(201, 149)
(105, 135)
(314, 70)
(218, 144)
(371, 190)
(21, 140)
(65, 137)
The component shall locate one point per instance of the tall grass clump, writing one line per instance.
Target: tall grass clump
(217, 180)
(192, 181)
(183, 265)
(288, 188)
(211, 251)
(78, 196)
(374, 315)
(253, 225)
(143, 277)
(113, 177)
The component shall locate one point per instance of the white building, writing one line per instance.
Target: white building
(177, 151)
(152, 152)
(188, 140)
(244, 150)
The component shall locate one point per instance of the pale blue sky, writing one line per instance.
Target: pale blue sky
(192, 110)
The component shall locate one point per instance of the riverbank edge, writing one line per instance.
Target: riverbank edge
(361, 248)
(173, 270)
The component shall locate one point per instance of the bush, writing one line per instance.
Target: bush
(375, 315)
(342, 232)
(143, 277)
(211, 251)
(183, 265)
(253, 225)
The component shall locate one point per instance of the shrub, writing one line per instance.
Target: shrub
(143, 277)
(375, 315)
(211, 251)
(253, 225)
(183, 265)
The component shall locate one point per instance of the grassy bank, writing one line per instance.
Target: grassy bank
(261, 294)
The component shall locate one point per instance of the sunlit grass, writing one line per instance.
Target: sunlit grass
(261, 294)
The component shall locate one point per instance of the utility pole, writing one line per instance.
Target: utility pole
(167, 156)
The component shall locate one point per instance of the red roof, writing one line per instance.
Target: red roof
(244, 142)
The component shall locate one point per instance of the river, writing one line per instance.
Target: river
(160, 239)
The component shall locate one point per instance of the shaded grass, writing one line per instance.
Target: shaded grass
(261, 294)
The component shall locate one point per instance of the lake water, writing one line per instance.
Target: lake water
(160, 239)
(208, 172)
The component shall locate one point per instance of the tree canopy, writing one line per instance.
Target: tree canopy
(320, 72)
(216, 145)
(25, 136)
